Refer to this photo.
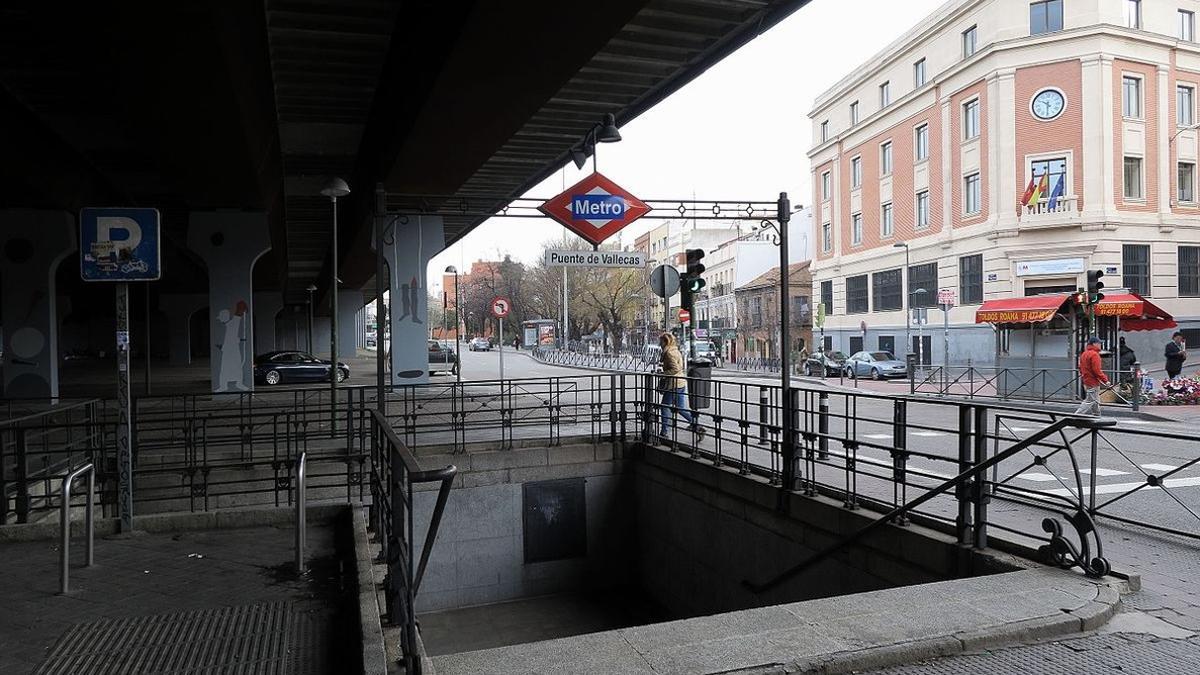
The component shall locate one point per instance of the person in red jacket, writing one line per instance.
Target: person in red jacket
(1092, 374)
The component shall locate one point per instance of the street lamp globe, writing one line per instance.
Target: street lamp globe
(336, 187)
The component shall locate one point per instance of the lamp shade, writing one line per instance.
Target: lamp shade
(336, 187)
(608, 132)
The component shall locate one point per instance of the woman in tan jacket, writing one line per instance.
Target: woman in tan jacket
(673, 385)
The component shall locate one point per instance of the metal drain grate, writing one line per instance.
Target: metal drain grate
(264, 639)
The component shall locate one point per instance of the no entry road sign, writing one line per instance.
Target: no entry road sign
(119, 244)
(595, 208)
(501, 307)
(684, 316)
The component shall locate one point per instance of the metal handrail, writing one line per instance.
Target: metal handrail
(900, 512)
(65, 524)
(301, 510)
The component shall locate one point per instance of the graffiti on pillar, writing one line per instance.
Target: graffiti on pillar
(409, 297)
(231, 373)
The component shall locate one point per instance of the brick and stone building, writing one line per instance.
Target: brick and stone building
(759, 320)
(928, 149)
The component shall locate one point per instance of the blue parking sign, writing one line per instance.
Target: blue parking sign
(119, 244)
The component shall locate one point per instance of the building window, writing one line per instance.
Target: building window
(887, 343)
(1187, 25)
(1133, 178)
(970, 279)
(1185, 100)
(801, 310)
(756, 311)
(1133, 13)
(969, 38)
(919, 74)
(854, 113)
(856, 295)
(825, 186)
(885, 94)
(1189, 271)
(971, 119)
(1135, 268)
(923, 277)
(856, 229)
(824, 131)
(827, 237)
(1131, 97)
(827, 296)
(886, 289)
(856, 172)
(886, 228)
(1045, 16)
(922, 209)
(921, 143)
(885, 158)
(1056, 171)
(972, 198)
(1187, 182)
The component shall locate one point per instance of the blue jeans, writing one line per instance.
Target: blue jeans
(675, 400)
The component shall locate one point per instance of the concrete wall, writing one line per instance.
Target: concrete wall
(703, 530)
(479, 554)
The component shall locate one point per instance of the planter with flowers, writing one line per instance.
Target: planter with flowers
(1179, 391)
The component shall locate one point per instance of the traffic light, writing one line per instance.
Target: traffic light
(1094, 286)
(690, 282)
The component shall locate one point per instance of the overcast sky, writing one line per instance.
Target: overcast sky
(738, 131)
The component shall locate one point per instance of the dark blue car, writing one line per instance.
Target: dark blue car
(290, 366)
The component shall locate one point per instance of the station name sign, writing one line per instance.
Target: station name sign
(595, 258)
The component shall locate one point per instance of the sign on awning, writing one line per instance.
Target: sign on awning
(1034, 309)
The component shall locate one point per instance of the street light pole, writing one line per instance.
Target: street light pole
(787, 422)
(908, 303)
(336, 187)
(311, 288)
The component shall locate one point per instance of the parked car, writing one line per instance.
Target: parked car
(480, 344)
(832, 361)
(442, 359)
(289, 366)
(703, 349)
(876, 365)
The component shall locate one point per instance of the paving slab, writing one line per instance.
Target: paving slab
(875, 629)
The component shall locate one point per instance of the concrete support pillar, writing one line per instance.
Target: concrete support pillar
(320, 336)
(266, 307)
(32, 244)
(179, 310)
(349, 303)
(230, 243)
(407, 247)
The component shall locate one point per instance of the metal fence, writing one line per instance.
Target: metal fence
(1029, 384)
(637, 360)
(40, 445)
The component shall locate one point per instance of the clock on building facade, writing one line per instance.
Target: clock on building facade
(1048, 104)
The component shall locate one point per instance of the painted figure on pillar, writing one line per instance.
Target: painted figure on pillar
(409, 301)
(233, 349)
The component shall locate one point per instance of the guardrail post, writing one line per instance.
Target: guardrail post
(64, 554)
(301, 512)
(22, 476)
(981, 493)
(900, 456)
(764, 402)
(962, 523)
(1137, 385)
(791, 471)
(910, 361)
(647, 407)
(823, 425)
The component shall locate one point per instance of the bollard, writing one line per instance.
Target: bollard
(1137, 385)
(823, 426)
(764, 401)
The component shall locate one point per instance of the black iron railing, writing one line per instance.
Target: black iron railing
(1043, 385)
(394, 475)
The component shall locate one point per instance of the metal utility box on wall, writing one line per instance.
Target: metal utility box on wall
(554, 518)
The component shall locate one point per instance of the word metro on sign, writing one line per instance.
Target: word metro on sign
(595, 208)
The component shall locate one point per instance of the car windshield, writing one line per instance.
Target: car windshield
(836, 356)
(882, 356)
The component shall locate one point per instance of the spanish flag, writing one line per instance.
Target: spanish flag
(1034, 192)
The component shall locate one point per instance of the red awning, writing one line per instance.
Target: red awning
(1135, 312)
(1034, 309)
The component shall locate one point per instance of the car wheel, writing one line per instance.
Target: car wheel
(342, 375)
(272, 377)
(876, 374)
(848, 372)
(808, 370)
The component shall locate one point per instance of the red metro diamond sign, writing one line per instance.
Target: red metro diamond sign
(595, 208)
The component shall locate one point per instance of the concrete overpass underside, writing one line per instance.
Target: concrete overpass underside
(229, 117)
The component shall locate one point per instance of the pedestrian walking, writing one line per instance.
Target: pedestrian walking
(1175, 354)
(673, 385)
(1126, 358)
(1092, 374)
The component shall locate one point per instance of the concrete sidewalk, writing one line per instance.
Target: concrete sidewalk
(171, 603)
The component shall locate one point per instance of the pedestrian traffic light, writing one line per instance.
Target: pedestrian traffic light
(1094, 286)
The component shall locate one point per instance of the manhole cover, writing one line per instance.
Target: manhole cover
(264, 638)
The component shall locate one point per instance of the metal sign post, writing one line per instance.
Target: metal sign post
(124, 407)
(500, 307)
(122, 245)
